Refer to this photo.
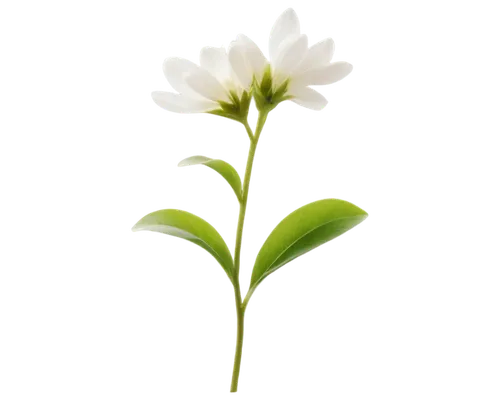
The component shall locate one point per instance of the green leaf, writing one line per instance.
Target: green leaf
(190, 227)
(303, 230)
(222, 167)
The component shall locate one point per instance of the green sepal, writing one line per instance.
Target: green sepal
(234, 98)
(279, 95)
(261, 101)
(237, 110)
(266, 84)
(230, 108)
(222, 113)
(266, 99)
(245, 99)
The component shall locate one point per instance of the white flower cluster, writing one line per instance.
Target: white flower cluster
(225, 81)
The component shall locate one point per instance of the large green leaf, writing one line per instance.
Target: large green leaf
(222, 167)
(303, 230)
(190, 227)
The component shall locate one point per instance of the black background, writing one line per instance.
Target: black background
(321, 331)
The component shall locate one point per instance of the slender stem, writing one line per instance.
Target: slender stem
(246, 185)
(240, 308)
(260, 124)
(240, 314)
(262, 119)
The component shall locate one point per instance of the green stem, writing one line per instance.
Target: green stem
(262, 119)
(260, 124)
(240, 308)
(240, 314)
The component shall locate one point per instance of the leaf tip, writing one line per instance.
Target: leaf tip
(132, 229)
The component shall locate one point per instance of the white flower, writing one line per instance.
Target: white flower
(211, 87)
(293, 65)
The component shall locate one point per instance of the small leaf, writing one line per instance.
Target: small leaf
(190, 227)
(303, 230)
(222, 167)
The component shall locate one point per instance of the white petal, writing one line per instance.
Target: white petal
(308, 98)
(181, 103)
(290, 54)
(286, 25)
(243, 38)
(255, 60)
(206, 85)
(324, 75)
(254, 57)
(239, 65)
(214, 60)
(175, 70)
(233, 86)
(317, 56)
